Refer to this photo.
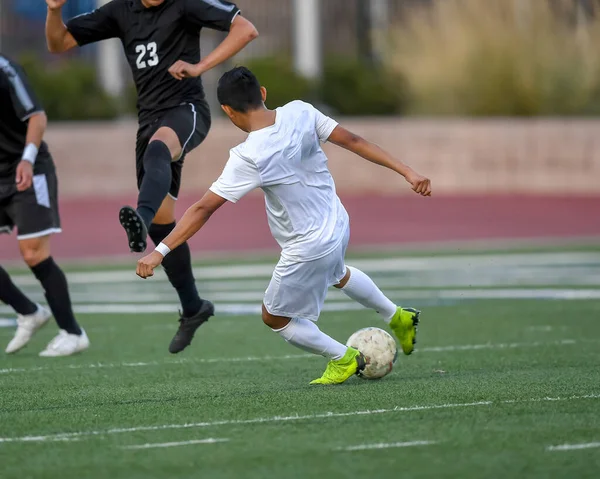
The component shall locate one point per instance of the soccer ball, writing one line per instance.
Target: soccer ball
(379, 349)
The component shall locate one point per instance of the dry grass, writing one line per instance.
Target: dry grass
(499, 57)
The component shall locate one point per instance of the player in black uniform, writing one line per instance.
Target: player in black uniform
(161, 39)
(28, 200)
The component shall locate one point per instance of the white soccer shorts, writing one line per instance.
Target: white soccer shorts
(298, 290)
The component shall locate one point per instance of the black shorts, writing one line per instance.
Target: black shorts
(34, 211)
(191, 123)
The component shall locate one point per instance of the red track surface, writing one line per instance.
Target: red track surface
(91, 227)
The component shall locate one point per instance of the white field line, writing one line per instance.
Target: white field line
(384, 445)
(210, 440)
(150, 299)
(474, 347)
(149, 308)
(229, 309)
(223, 309)
(340, 304)
(66, 436)
(157, 363)
(500, 277)
(540, 329)
(573, 447)
(431, 349)
(510, 293)
(383, 265)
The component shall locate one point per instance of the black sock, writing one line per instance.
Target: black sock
(54, 282)
(156, 182)
(178, 266)
(14, 297)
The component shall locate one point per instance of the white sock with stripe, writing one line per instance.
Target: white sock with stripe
(306, 335)
(363, 290)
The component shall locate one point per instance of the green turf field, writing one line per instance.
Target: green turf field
(497, 382)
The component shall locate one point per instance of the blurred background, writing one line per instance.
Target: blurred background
(496, 101)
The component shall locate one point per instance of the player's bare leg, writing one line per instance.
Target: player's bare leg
(72, 338)
(403, 321)
(163, 148)
(178, 267)
(306, 335)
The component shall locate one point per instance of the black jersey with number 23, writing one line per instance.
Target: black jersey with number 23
(154, 39)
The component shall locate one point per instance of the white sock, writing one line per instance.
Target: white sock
(306, 335)
(362, 289)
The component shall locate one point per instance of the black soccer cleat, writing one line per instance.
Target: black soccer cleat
(136, 230)
(188, 326)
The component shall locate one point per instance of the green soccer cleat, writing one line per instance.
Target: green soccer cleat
(404, 324)
(340, 370)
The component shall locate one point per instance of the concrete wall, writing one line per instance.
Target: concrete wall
(460, 156)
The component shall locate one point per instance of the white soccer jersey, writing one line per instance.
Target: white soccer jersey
(286, 161)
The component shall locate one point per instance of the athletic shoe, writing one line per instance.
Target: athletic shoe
(340, 370)
(136, 230)
(66, 344)
(26, 327)
(404, 324)
(188, 326)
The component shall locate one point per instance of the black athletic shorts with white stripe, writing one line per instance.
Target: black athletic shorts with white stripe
(34, 212)
(190, 121)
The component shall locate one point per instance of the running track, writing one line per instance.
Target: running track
(91, 228)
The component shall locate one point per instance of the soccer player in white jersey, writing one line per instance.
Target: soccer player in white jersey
(282, 155)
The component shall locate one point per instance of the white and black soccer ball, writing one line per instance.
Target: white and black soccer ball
(379, 349)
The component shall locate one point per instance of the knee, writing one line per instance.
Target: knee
(157, 155)
(34, 254)
(266, 317)
(273, 322)
(164, 220)
(344, 281)
(168, 138)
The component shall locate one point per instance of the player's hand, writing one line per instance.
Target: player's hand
(419, 183)
(146, 265)
(180, 70)
(24, 175)
(55, 4)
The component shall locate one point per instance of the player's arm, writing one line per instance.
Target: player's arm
(35, 133)
(373, 153)
(81, 30)
(241, 33)
(218, 15)
(192, 221)
(58, 38)
(29, 110)
(36, 129)
(239, 177)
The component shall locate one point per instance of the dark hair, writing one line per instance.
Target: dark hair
(240, 90)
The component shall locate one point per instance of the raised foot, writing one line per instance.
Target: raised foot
(136, 230)
(404, 325)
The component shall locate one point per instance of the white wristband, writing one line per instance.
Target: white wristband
(163, 249)
(30, 153)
